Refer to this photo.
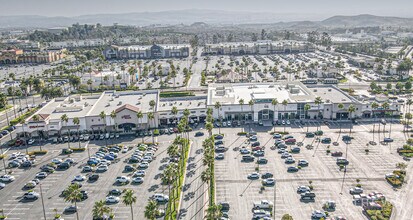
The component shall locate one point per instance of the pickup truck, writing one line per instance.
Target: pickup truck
(263, 204)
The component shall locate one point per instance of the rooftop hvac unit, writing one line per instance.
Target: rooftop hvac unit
(315, 90)
(294, 90)
(329, 90)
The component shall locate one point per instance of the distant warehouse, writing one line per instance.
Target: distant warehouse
(259, 47)
(146, 52)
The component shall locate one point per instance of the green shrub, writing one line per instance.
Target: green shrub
(242, 133)
(37, 152)
(78, 149)
(176, 94)
(156, 132)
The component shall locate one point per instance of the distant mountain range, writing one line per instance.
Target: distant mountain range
(211, 17)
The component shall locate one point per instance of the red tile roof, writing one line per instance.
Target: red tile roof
(127, 106)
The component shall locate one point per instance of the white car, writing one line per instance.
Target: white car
(7, 178)
(144, 165)
(122, 179)
(2, 185)
(79, 178)
(15, 155)
(317, 214)
(30, 141)
(102, 168)
(160, 198)
(289, 160)
(124, 150)
(137, 180)
(220, 156)
(303, 189)
(86, 137)
(112, 199)
(147, 159)
(254, 175)
(139, 173)
(57, 161)
(41, 175)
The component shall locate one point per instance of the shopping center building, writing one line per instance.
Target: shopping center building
(244, 102)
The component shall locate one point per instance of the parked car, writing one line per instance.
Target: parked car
(93, 177)
(112, 199)
(253, 175)
(292, 169)
(160, 198)
(356, 190)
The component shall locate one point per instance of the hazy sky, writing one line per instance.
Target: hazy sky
(320, 7)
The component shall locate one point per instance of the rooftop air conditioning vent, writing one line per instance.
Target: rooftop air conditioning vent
(315, 90)
(329, 90)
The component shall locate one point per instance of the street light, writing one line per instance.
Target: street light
(275, 184)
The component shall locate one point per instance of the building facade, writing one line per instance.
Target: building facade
(259, 47)
(114, 111)
(146, 52)
(16, 56)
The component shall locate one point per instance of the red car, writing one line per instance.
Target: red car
(18, 143)
(290, 141)
(257, 148)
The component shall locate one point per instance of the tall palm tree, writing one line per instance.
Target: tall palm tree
(274, 104)
(76, 121)
(151, 116)
(218, 107)
(102, 116)
(385, 107)
(72, 194)
(251, 104)
(241, 103)
(174, 112)
(214, 212)
(36, 119)
(65, 119)
(139, 114)
(340, 106)
(318, 101)
(100, 209)
(307, 107)
(113, 116)
(374, 106)
(151, 210)
(285, 103)
(209, 126)
(129, 199)
(186, 115)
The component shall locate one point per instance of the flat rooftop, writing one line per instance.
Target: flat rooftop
(331, 94)
(182, 103)
(232, 93)
(71, 106)
(112, 100)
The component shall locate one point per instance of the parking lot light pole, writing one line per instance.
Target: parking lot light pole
(41, 196)
(4, 158)
(275, 184)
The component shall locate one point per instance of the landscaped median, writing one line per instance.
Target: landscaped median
(175, 94)
(24, 116)
(383, 213)
(37, 152)
(175, 194)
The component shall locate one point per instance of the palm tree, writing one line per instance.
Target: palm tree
(214, 212)
(218, 107)
(409, 103)
(151, 116)
(274, 103)
(102, 116)
(151, 210)
(139, 114)
(206, 177)
(340, 106)
(307, 107)
(374, 106)
(113, 116)
(285, 103)
(251, 104)
(241, 103)
(209, 126)
(36, 119)
(72, 194)
(129, 199)
(385, 107)
(76, 121)
(186, 115)
(174, 112)
(318, 102)
(100, 209)
(65, 119)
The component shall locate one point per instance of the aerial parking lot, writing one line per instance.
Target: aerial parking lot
(145, 181)
(237, 185)
(296, 178)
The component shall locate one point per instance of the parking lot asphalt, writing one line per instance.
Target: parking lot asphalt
(231, 173)
(327, 179)
(15, 208)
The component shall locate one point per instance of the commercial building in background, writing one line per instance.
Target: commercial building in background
(146, 52)
(126, 104)
(16, 56)
(259, 47)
